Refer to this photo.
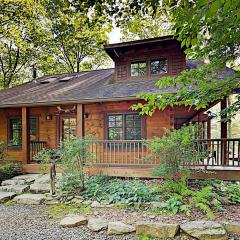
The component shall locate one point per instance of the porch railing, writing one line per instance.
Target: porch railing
(35, 148)
(218, 152)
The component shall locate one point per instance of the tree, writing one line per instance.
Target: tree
(140, 27)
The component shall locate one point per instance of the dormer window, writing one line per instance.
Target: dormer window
(158, 66)
(138, 69)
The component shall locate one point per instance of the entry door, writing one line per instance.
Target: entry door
(68, 128)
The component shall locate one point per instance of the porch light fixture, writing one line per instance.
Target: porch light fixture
(211, 115)
(86, 115)
(49, 117)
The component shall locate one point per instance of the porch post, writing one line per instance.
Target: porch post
(80, 120)
(224, 133)
(25, 136)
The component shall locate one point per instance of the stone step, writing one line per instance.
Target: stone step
(40, 188)
(5, 196)
(15, 188)
(29, 198)
(29, 178)
(14, 182)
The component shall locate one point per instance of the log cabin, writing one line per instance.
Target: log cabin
(47, 110)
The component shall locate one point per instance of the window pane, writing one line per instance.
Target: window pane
(15, 128)
(133, 133)
(115, 134)
(33, 129)
(158, 66)
(138, 69)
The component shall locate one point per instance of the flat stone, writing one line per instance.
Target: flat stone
(40, 188)
(205, 230)
(157, 204)
(15, 188)
(5, 196)
(44, 179)
(14, 182)
(97, 224)
(232, 227)
(29, 178)
(159, 230)
(117, 228)
(95, 204)
(73, 221)
(29, 198)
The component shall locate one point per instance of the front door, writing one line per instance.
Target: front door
(68, 127)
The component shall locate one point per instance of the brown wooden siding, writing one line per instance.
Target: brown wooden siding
(172, 51)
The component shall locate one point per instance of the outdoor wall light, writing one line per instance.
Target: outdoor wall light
(49, 117)
(86, 115)
(211, 115)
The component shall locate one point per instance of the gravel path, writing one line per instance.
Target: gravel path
(19, 222)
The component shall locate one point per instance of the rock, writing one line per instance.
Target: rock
(205, 230)
(97, 224)
(95, 204)
(73, 221)
(157, 204)
(232, 227)
(117, 228)
(159, 230)
(15, 188)
(30, 198)
(13, 182)
(87, 202)
(44, 179)
(29, 178)
(40, 187)
(5, 196)
(77, 201)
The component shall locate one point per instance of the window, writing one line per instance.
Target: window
(15, 130)
(69, 128)
(124, 127)
(138, 69)
(158, 66)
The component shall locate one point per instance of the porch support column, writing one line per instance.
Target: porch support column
(80, 131)
(25, 136)
(224, 133)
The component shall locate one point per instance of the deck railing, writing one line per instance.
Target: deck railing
(218, 152)
(35, 148)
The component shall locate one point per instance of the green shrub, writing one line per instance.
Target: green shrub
(175, 151)
(118, 191)
(9, 170)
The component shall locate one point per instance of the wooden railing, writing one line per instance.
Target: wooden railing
(218, 152)
(35, 148)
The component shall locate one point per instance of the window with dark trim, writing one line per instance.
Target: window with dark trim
(138, 68)
(69, 128)
(15, 130)
(126, 126)
(158, 66)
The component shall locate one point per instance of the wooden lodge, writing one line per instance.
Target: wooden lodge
(41, 113)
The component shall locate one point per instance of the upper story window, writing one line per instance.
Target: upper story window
(138, 68)
(124, 126)
(158, 66)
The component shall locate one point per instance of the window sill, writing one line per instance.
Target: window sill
(15, 147)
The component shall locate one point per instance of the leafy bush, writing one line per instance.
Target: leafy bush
(181, 198)
(9, 170)
(118, 191)
(175, 151)
(3, 150)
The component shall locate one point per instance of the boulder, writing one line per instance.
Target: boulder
(97, 224)
(205, 230)
(40, 188)
(15, 188)
(232, 227)
(117, 228)
(95, 204)
(28, 198)
(29, 178)
(5, 196)
(159, 230)
(13, 182)
(73, 221)
(157, 204)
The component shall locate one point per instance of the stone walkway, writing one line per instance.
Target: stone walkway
(28, 222)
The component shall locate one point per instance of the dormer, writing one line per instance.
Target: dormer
(147, 59)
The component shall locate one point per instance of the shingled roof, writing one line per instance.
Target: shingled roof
(89, 86)
(82, 87)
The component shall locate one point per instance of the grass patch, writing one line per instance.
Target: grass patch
(58, 211)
